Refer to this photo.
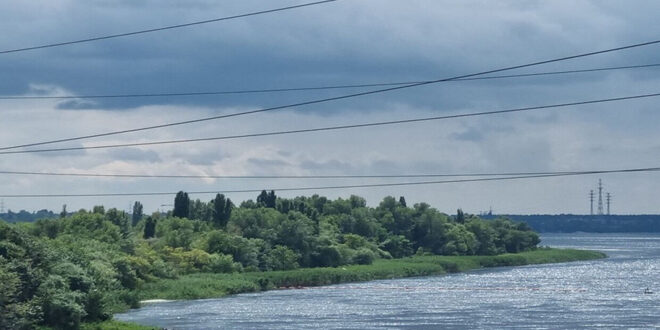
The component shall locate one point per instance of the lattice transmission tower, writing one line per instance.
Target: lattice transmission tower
(600, 197)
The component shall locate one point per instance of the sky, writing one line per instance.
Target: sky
(336, 43)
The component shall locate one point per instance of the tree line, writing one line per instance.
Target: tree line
(86, 265)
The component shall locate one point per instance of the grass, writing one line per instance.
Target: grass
(115, 325)
(206, 285)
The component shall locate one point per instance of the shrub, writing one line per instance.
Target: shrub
(281, 258)
(364, 256)
(221, 263)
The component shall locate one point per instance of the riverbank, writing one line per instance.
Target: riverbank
(209, 285)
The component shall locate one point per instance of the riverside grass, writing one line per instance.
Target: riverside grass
(208, 285)
(115, 325)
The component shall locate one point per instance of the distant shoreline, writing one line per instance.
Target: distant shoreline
(571, 223)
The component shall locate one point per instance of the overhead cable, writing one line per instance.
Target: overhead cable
(352, 186)
(332, 128)
(170, 27)
(335, 98)
(331, 176)
(311, 88)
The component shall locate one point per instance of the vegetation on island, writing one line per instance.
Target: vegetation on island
(87, 265)
(210, 285)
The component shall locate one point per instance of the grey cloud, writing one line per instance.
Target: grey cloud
(76, 104)
(284, 153)
(333, 166)
(471, 134)
(134, 154)
(320, 47)
(482, 130)
(203, 158)
(263, 162)
(63, 154)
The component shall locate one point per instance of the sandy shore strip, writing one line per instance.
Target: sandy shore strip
(154, 301)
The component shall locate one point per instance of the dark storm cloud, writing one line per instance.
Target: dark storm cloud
(309, 47)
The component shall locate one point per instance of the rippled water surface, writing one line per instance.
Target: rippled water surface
(601, 294)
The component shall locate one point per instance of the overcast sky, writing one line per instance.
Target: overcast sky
(343, 42)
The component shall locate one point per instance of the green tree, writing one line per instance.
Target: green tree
(63, 213)
(137, 213)
(296, 231)
(222, 208)
(459, 241)
(181, 205)
(460, 216)
(199, 210)
(149, 228)
(327, 256)
(282, 258)
(357, 202)
(119, 219)
(176, 232)
(99, 209)
(267, 199)
(398, 246)
(430, 229)
(485, 236)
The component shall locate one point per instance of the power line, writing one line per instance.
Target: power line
(336, 98)
(332, 128)
(654, 169)
(338, 176)
(314, 88)
(126, 34)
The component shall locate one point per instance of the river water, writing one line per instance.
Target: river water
(607, 293)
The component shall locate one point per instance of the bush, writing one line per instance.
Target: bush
(281, 258)
(125, 273)
(61, 308)
(327, 256)
(221, 263)
(398, 246)
(364, 257)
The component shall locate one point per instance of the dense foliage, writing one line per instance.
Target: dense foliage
(208, 285)
(84, 266)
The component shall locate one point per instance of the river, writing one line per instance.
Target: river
(606, 293)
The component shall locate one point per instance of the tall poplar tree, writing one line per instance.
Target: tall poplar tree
(181, 205)
(137, 213)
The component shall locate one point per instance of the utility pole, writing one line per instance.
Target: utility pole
(591, 202)
(2, 206)
(609, 199)
(600, 197)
